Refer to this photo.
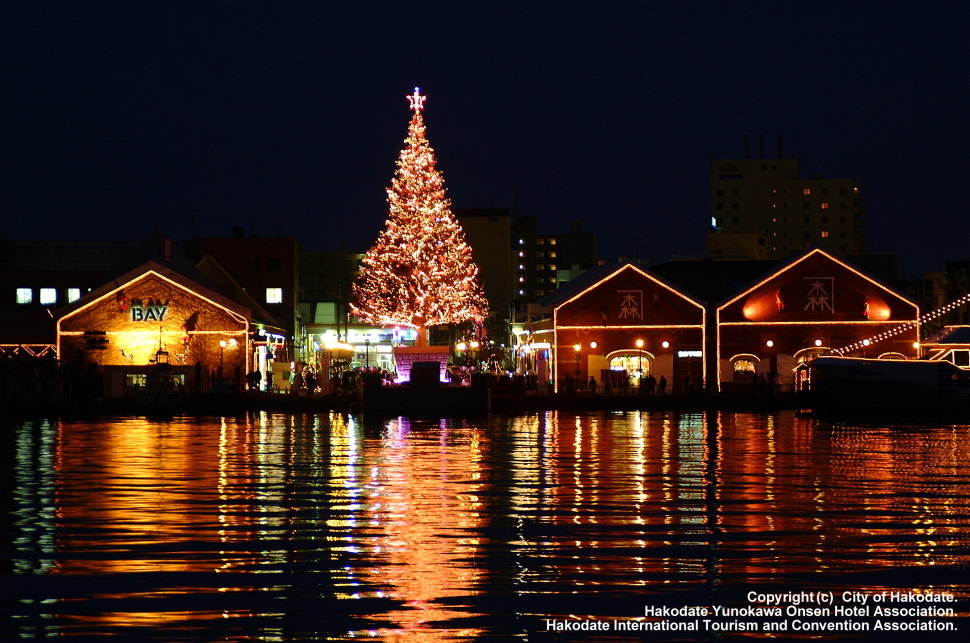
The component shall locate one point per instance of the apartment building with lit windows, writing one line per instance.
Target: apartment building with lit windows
(765, 202)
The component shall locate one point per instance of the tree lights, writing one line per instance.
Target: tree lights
(420, 271)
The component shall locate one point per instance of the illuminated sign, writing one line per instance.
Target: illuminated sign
(689, 354)
(150, 310)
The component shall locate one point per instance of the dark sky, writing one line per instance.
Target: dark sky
(286, 118)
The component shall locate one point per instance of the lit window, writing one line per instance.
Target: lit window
(25, 296)
(552, 242)
(540, 267)
(807, 192)
(825, 233)
(552, 266)
(540, 242)
(825, 206)
(274, 295)
(742, 366)
(73, 294)
(48, 296)
(552, 255)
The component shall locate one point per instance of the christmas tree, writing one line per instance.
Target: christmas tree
(419, 272)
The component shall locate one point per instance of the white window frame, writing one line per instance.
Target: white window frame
(48, 296)
(274, 295)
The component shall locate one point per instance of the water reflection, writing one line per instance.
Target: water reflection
(289, 527)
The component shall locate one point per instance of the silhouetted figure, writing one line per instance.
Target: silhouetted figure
(663, 386)
(592, 385)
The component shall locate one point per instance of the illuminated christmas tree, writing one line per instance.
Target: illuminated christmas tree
(419, 272)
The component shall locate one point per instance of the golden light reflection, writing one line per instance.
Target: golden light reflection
(425, 517)
(415, 510)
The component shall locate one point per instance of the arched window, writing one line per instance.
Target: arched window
(744, 366)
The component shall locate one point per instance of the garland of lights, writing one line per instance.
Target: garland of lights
(930, 316)
(420, 271)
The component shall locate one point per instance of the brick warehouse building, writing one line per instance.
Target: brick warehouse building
(813, 304)
(620, 322)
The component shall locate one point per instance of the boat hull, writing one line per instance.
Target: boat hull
(890, 385)
(438, 399)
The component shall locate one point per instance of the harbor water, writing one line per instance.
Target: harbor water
(541, 526)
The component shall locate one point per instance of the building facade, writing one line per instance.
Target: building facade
(620, 323)
(812, 305)
(765, 202)
(155, 326)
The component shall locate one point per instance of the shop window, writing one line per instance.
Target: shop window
(274, 295)
(744, 368)
(48, 296)
(25, 295)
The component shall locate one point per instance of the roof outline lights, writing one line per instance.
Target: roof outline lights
(804, 257)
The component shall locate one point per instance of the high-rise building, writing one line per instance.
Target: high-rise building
(771, 211)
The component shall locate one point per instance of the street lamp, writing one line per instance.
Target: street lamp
(222, 348)
(639, 358)
(474, 352)
(367, 353)
(578, 348)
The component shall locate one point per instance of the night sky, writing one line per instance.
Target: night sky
(286, 118)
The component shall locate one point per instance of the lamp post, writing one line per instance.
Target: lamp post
(639, 358)
(222, 349)
(578, 348)
(367, 353)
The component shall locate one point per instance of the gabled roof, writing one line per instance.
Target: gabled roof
(575, 287)
(787, 265)
(228, 286)
(163, 271)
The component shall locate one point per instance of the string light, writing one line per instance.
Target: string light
(420, 271)
(930, 316)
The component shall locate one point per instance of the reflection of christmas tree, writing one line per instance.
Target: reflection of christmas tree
(419, 272)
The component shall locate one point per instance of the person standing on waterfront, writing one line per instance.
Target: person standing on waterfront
(592, 385)
(663, 386)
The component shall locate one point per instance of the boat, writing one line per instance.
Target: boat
(937, 382)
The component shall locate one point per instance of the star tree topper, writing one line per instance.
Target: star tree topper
(417, 100)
